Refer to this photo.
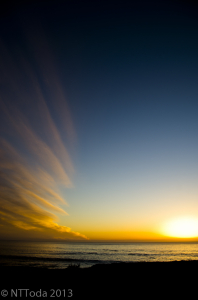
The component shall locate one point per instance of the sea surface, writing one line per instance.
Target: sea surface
(61, 255)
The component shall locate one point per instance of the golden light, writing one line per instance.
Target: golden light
(186, 227)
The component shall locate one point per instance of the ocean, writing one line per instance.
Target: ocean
(61, 255)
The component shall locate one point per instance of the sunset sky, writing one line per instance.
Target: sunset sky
(98, 120)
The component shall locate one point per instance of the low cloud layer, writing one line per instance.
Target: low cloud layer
(34, 161)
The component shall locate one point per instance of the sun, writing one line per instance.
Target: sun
(185, 227)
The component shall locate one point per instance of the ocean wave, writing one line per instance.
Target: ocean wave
(50, 259)
(71, 253)
(139, 254)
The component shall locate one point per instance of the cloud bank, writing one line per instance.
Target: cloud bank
(34, 161)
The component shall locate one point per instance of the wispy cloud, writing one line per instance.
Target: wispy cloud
(34, 161)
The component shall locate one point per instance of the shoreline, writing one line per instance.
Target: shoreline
(104, 279)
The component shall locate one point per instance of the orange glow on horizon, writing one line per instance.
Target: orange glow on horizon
(123, 236)
(177, 230)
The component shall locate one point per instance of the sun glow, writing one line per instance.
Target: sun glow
(186, 227)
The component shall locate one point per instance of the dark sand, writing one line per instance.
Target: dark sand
(117, 281)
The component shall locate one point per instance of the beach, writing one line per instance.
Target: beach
(121, 280)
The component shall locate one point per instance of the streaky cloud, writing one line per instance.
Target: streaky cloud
(34, 161)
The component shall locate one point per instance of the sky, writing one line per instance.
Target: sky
(98, 121)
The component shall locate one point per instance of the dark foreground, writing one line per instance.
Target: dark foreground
(120, 280)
